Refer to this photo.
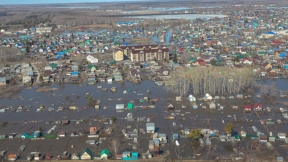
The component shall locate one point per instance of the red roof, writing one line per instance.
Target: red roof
(257, 105)
(247, 107)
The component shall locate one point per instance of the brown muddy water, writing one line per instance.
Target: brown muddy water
(74, 95)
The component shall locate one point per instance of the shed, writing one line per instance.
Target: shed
(150, 127)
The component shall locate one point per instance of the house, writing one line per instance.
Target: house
(2, 81)
(105, 154)
(247, 108)
(285, 66)
(61, 134)
(26, 79)
(267, 66)
(170, 106)
(117, 76)
(258, 107)
(86, 154)
(271, 72)
(137, 65)
(91, 59)
(119, 107)
(212, 106)
(222, 138)
(272, 139)
(282, 135)
(118, 55)
(280, 159)
(128, 156)
(207, 97)
(75, 156)
(93, 130)
(161, 137)
(150, 127)
(92, 68)
(263, 138)
(12, 157)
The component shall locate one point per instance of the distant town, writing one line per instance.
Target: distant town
(106, 81)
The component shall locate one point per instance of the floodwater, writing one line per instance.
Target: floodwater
(178, 16)
(72, 94)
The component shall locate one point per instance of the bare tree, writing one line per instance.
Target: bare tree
(115, 145)
(220, 80)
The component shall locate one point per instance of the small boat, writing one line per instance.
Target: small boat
(124, 92)
(85, 108)
(41, 107)
(105, 107)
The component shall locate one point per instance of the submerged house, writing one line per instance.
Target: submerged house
(150, 127)
(258, 107)
(104, 154)
(128, 156)
(86, 154)
(247, 108)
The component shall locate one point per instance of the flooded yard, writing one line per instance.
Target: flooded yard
(74, 95)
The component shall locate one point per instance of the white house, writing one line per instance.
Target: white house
(92, 59)
(150, 127)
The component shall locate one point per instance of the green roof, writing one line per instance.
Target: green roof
(90, 66)
(193, 60)
(237, 137)
(130, 106)
(261, 52)
(105, 151)
(88, 151)
(53, 65)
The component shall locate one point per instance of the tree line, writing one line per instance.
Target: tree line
(212, 80)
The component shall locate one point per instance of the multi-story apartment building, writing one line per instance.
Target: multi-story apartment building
(145, 52)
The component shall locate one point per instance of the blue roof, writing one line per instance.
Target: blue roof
(74, 72)
(269, 32)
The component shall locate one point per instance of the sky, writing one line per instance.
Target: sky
(8, 2)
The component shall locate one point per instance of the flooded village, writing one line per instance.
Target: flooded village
(199, 88)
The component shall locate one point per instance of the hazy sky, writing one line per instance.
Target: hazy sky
(3, 2)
